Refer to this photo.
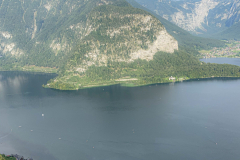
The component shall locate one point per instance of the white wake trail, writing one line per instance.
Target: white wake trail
(6, 135)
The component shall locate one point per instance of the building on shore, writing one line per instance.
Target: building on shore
(172, 78)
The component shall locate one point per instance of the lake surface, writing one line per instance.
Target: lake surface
(196, 119)
(234, 61)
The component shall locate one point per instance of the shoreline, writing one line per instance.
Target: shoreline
(216, 57)
(130, 85)
(124, 83)
(59, 83)
(31, 69)
(13, 157)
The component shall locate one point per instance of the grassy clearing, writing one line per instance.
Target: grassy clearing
(204, 51)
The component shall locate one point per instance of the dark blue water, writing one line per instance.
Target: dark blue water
(190, 120)
(234, 61)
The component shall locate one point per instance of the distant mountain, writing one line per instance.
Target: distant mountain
(201, 17)
(183, 37)
(232, 33)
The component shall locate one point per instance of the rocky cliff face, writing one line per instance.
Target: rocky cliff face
(7, 46)
(200, 16)
(164, 42)
(123, 37)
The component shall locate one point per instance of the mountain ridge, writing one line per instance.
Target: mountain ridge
(183, 37)
(202, 17)
(232, 33)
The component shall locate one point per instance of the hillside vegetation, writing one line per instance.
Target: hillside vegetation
(50, 33)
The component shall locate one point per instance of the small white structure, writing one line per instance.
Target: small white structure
(42, 115)
(172, 78)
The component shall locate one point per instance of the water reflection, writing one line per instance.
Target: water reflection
(12, 84)
(2, 91)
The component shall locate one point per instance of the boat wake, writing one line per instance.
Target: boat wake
(6, 135)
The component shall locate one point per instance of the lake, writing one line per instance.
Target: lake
(197, 119)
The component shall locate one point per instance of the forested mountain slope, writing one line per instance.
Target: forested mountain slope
(49, 33)
(36, 31)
